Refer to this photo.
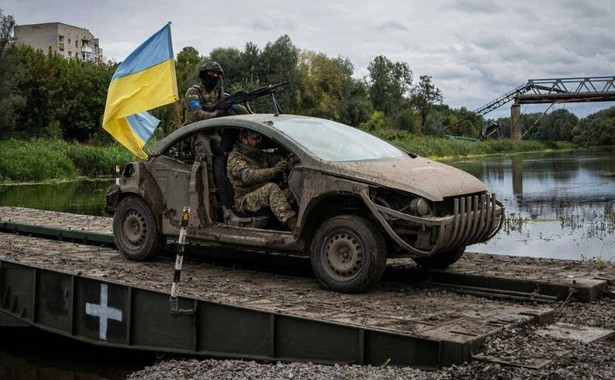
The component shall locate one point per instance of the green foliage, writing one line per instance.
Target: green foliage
(34, 160)
(11, 73)
(424, 96)
(557, 126)
(597, 129)
(186, 68)
(37, 160)
(390, 83)
(96, 161)
(443, 120)
(376, 122)
(70, 94)
(321, 85)
(408, 120)
(437, 147)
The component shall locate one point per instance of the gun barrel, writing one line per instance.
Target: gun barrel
(242, 97)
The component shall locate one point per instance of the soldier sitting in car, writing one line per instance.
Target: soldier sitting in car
(252, 173)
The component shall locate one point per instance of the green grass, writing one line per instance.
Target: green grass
(441, 148)
(41, 160)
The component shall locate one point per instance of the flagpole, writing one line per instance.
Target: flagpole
(179, 115)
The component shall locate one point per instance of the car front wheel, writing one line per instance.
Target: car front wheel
(348, 254)
(135, 230)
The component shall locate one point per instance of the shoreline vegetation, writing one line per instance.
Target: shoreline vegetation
(55, 160)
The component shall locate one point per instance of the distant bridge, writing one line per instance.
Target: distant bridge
(554, 90)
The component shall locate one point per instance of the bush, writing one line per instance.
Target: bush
(33, 160)
(46, 159)
(96, 161)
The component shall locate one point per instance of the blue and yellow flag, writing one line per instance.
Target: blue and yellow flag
(145, 80)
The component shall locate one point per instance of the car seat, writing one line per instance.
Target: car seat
(226, 195)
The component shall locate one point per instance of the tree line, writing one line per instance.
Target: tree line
(46, 95)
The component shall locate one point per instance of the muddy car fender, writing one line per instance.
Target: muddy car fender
(318, 187)
(136, 180)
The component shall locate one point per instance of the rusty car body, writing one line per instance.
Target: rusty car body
(359, 200)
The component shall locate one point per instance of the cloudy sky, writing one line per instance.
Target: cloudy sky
(475, 51)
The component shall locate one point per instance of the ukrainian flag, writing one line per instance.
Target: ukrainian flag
(145, 80)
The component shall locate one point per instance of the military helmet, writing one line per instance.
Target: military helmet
(244, 132)
(211, 66)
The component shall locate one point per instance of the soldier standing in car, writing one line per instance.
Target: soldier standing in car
(207, 93)
(252, 173)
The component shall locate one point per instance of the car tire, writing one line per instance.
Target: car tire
(135, 230)
(442, 259)
(348, 254)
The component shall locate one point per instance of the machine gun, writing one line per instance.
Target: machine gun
(246, 96)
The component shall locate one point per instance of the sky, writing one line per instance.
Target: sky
(475, 51)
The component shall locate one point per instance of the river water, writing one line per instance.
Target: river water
(558, 204)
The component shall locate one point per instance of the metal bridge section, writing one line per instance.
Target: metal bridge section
(592, 89)
(561, 90)
(552, 90)
(500, 101)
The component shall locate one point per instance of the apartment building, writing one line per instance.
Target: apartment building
(68, 40)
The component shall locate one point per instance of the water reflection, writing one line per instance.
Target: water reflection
(558, 204)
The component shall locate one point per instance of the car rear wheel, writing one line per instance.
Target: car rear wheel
(135, 230)
(348, 254)
(441, 259)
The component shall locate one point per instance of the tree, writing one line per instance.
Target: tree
(355, 105)
(390, 84)
(424, 96)
(457, 122)
(11, 74)
(596, 129)
(278, 62)
(556, 126)
(64, 97)
(231, 61)
(321, 85)
(186, 69)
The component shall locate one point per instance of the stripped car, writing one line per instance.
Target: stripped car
(359, 200)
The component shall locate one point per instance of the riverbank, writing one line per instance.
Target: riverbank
(41, 160)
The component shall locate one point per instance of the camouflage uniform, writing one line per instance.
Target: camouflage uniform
(198, 96)
(251, 174)
(207, 145)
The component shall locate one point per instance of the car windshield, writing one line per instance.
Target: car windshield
(333, 141)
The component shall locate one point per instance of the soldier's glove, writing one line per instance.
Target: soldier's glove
(280, 167)
(232, 108)
(293, 160)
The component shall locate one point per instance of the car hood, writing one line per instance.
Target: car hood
(426, 178)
